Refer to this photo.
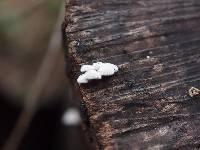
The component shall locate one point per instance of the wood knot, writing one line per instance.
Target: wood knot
(194, 92)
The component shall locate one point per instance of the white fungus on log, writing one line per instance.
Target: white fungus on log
(97, 65)
(92, 74)
(82, 79)
(85, 68)
(96, 71)
(107, 69)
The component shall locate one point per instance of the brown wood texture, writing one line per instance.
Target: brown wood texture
(146, 104)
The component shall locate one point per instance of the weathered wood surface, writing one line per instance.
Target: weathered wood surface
(146, 104)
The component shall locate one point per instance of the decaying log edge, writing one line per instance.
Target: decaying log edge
(90, 135)
(146, 105)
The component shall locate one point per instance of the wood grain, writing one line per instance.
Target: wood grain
(146, 104)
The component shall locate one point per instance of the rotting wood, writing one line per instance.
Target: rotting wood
(156, 44)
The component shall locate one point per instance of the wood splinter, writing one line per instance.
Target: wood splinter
(194, 92)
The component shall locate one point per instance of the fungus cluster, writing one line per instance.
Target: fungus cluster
(96, 71)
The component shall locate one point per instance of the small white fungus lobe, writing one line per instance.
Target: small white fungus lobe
(82, 79)
(85, 68)
(97, 65)
(71, 117)
(96, 71)
(92, 74)
(106, 70)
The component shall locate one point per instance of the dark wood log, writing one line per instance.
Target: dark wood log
(156, 44)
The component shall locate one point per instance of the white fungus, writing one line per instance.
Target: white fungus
(71, 117)
(106, 70)
(85, 68)
(82, 79)
(92, 74)
(96, 71)
(97, 65)
(88, 75)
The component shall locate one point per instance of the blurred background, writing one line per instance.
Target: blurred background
(34, 90)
